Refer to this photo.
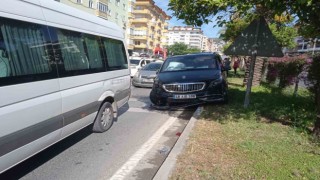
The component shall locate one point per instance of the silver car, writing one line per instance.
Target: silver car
(145, 76)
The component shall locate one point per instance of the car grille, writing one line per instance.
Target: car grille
(146, 77)
(184, 87)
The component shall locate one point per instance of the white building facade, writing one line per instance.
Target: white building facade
(191, 36)
(111, 10)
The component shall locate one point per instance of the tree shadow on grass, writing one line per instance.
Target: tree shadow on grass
(268, 104)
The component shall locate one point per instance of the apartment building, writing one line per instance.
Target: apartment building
(204, 46)
(111, 10)
(215, 45)
(130, 29)
(148, 28)
(191, 36)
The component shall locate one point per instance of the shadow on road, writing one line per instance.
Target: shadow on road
(41, 158)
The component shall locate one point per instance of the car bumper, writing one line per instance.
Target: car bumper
(167, 99)
(142, 83)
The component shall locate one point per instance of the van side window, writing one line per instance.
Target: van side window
(116, 55)
(72, 50)
(23, 49)
(93, 51)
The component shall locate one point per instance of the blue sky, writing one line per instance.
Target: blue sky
(208, 29)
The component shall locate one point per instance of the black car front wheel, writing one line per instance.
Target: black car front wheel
(156, 100)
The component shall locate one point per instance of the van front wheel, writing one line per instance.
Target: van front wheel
(104, 119)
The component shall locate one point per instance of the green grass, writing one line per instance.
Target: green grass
(270, 139)
(271, 103)
(272, 151)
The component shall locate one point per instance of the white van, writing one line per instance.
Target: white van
(61, 69)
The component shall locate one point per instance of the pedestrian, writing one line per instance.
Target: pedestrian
(235, 66)
(227, 63)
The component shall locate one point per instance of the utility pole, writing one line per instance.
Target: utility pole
(252, 65)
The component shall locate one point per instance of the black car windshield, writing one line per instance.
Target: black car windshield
(152, 67)
(134, 61)
(189, 62)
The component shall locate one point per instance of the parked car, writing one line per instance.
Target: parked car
(145, 76)
(188, 80)
(137, 63)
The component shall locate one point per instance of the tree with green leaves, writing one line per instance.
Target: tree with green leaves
(180, 49)
(197, 12)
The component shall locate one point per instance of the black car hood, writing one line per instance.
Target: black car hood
(188, 76)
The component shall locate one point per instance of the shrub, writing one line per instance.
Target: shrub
(314, 86)
(286, 69)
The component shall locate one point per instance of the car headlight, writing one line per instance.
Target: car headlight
(216, 82)
(157, 83)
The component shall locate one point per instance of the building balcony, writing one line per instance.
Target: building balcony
(131, 16)
(143, 3)
(134, 37)
(139, 28)
(130, 46)
(140, 20)
(101, 14)
(141, 46)
(142, 11)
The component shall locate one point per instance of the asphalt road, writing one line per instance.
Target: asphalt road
(134, 148)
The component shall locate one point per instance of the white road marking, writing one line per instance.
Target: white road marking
(135, 158)
(133, 99)
(140, 110)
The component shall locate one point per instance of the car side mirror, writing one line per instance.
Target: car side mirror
(157, 72)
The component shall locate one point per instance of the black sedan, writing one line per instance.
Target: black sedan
(190, 80)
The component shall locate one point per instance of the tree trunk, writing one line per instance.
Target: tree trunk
(316, 129)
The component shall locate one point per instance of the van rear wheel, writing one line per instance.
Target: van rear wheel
(104, 119)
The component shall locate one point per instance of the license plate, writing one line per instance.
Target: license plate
(184, 96)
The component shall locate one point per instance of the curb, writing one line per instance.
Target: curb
(168, 165)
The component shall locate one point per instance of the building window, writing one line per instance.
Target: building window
(138, 8)
(79, 1)
(116, 15)
(137, 43)
(90, 4)
(109, 12)
(102, 7)
(124, 6)
(110, 1)
(118, 2)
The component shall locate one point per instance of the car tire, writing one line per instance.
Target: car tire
(155, 100)
(104, 119)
